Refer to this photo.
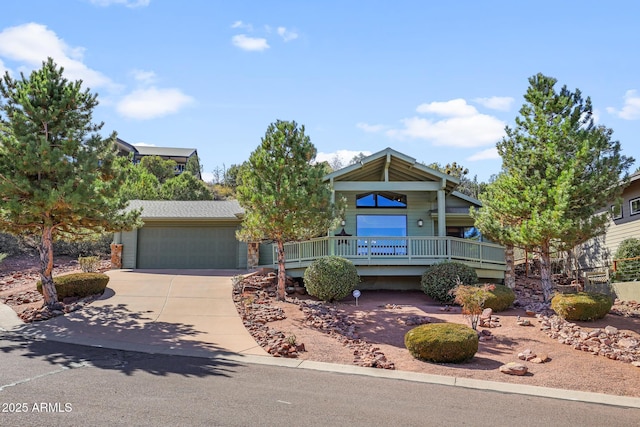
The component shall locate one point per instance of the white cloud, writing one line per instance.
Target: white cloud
(144, 144)
(500, 103)
(242, 25)
(370, 128)
(152, 102)
(144, 77)
(287, 35)
(488, 154)
(455, 107)
(344, 156)
(32, 43)
(631, 108)
(471, 130)
(244, 42)
(127, 3)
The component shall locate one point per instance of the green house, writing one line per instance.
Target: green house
(401, 217)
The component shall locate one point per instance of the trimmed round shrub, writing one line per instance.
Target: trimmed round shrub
(582, 305)
(440, 279)
(442, 342)
(331, 278)
(500, 298)
(78, 285)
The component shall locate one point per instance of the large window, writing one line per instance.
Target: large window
(387, 226)
(381, 200)
(464, 233)
(634, 206)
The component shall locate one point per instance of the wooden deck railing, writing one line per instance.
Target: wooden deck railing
(378, 250)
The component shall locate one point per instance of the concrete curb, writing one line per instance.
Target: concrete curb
(32, 332)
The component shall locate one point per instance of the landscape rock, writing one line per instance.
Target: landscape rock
(608, 342)
(514, 368)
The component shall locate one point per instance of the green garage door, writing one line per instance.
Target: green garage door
(187, 247)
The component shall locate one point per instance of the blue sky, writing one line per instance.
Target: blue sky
(437, 81)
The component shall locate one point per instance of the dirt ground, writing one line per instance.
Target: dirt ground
(379, 320)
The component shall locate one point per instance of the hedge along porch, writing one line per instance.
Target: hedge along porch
(401, 217)
(185, 235)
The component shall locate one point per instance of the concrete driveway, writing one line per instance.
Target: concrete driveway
(187, 312)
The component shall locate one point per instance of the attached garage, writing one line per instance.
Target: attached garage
(185, 235)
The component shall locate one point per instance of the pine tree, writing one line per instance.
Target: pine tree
(558, 170)
(283, 192)
(185, 187)
(58, 177)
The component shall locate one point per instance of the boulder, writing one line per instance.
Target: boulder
(514, 368)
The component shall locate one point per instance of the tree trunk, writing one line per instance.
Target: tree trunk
(282, 277)
(510, 272)
(545, 273)
(45, 248)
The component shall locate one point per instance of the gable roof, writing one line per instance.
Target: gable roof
(191, 209)
(146, 150)
(394, 166)
(149, 150)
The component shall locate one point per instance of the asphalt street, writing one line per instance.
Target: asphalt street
(45, 383)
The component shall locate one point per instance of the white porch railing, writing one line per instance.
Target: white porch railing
(377, 250)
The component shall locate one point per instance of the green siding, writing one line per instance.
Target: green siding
(418, 206)
(129, 248)
(266, 254)
(242, 255)
(198, 247)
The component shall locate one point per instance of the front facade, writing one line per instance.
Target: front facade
(401, 217)
(179, 155)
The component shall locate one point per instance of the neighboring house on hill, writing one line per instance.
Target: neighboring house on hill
(624, 223)
(180, 155)
(401, 217)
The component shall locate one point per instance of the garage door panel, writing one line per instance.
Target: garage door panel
(187, 247)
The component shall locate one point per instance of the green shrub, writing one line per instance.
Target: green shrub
(12, 245)
(100, 246)
(89, 264)
(442, 342)
(500, 298)
(331, 278)
(581, 306)
(78, 284)
(440, 279)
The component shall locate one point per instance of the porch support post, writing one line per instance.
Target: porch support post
(442, 222)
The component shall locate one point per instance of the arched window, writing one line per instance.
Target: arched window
(381, 199)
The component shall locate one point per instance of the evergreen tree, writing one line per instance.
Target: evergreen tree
(161, 168)
(193, 165)
(185, 187)
(140, 184)
(58, 177)
(283, 192)
(558, 170)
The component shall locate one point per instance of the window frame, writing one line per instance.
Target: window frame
(377, 205)
(631, 210)
(612, 209)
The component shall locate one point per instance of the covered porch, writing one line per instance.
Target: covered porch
(394, 256)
